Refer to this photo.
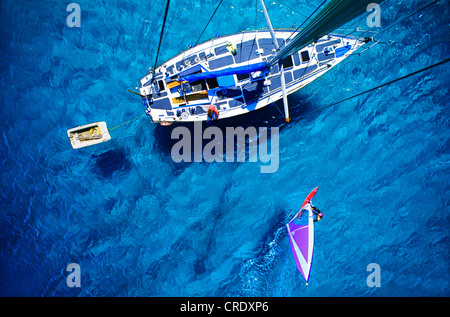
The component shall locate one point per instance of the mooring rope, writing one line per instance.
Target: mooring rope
(127, 122)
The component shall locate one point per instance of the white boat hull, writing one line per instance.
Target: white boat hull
(167, 102)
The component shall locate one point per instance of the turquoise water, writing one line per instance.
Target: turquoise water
(139, 224)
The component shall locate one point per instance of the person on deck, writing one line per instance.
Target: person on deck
(212, 113)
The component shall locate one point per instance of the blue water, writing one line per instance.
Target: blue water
(139, 224)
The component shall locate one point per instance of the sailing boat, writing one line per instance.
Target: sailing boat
(246, 71)
(301, 236)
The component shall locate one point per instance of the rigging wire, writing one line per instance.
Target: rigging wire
(396, 22)
(379, 41)
(256, 14)
(284, 43)
(407, 16)
(382, 85)
(358, 20)
(208, 22)
(395, 80)
(162, 32)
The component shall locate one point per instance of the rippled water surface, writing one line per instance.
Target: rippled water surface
(139, 224)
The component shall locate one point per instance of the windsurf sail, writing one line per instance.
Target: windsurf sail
(301, 236)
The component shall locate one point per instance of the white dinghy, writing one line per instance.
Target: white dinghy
(89, 134)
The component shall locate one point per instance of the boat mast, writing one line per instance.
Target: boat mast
(275, 43)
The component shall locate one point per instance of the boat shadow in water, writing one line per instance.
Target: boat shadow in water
(268, 117)
(108, 163)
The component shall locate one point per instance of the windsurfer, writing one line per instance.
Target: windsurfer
(317, 213)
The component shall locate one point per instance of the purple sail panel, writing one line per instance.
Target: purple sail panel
(301, 238)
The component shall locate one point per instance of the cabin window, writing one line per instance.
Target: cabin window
(287, 62)
(305, 56)
(212, 83)
(198, 85)
(241, 77)
(161, 85)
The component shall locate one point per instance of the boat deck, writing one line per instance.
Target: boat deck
(172, 100)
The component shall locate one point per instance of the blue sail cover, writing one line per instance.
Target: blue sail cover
(227, 71)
